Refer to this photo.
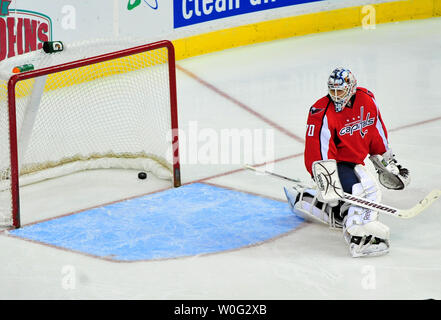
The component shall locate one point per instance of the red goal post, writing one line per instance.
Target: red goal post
(100, 90)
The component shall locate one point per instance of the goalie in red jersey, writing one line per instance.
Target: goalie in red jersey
(343, 129)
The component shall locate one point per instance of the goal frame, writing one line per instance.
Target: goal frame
(13, 80)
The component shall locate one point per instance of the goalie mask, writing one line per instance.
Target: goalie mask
(341, 87)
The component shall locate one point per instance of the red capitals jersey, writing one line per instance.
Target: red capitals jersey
(349, 135)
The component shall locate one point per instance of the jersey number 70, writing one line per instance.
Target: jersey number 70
(310, 130)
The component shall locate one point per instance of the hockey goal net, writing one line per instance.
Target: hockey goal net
(96, 104)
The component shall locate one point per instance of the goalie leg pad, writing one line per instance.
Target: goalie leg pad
(369, 187)
(365, 235)
(366, 188)
(305, 204)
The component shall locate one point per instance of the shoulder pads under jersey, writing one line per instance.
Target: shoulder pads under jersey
(320, 106)
(366, 91)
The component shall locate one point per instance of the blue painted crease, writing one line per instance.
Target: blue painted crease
(190, 220)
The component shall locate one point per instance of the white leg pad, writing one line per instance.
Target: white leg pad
(363, 223)
(309, 212)
(370, 189)
(304, 203)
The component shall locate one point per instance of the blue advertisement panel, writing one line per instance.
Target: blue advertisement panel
(188, 12)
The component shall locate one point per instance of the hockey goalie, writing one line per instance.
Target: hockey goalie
(344, 128)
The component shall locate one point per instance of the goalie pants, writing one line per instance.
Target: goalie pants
(347, 175)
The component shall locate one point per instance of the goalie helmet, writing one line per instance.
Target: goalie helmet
(341, 87)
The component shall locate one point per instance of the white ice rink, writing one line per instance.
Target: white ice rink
(279, 80)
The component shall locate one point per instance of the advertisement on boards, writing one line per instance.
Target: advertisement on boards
(22, 31)
(190, 12)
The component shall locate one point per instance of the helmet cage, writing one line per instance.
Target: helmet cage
(341, 80)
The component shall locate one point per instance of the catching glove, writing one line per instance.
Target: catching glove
(391, 174)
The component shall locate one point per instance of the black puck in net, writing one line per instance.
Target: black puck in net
(142, 175)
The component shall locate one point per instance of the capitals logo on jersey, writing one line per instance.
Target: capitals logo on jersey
(358, 125)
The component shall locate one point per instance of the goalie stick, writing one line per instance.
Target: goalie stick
(361, 202)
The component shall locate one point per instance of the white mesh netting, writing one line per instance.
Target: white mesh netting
(112, 114)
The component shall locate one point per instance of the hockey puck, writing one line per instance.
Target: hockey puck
(142, 175)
